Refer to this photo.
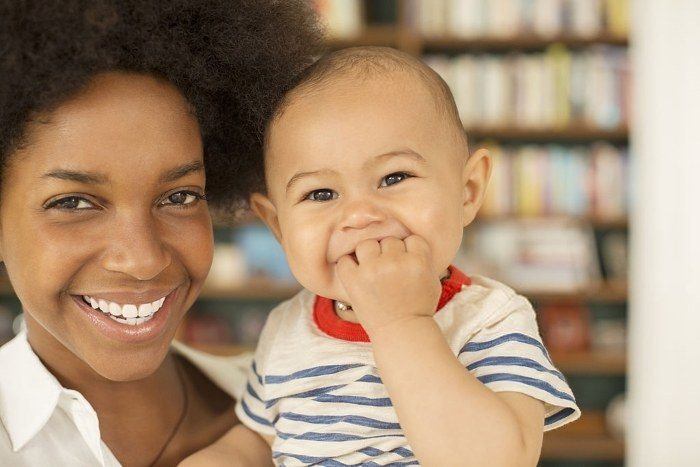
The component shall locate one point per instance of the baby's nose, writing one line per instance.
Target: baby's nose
(361, 214)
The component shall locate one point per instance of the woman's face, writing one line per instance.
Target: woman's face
(103, 231)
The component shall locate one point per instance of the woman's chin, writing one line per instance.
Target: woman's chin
(134, 365)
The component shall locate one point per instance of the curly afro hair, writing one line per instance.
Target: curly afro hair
(233, 60)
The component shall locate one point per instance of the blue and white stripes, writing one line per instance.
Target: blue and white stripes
(324, 402)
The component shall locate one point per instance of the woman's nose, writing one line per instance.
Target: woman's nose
(135, 248)
(361, 214)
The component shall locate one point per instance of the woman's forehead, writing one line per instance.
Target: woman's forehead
(119, 119)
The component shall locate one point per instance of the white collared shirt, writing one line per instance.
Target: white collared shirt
(43, 423)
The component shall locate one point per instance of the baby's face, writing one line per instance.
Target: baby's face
(363, 160)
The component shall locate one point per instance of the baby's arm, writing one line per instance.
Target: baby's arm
(239, 447)
(448, 416)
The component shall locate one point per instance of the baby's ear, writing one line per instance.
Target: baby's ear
(475, 179)
(263, 207)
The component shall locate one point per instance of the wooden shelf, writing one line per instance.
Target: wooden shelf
(412, 41)
(612, 292)
(388, 36)
(516, 43)
(584, 439)
(594, 362)
(571, 134)
(595, 221)
(601, 448)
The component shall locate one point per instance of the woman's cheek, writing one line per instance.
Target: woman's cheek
(198, 249)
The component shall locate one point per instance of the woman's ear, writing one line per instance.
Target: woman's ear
(475, 179)
(263, 207)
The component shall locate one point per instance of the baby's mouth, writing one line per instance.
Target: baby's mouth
(131, 314)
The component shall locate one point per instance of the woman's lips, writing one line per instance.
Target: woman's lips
(120, 324)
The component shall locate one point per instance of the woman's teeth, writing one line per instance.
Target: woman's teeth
(125, 314)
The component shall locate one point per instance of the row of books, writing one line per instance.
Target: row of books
(535, 254)
(553, 89)
(471, 19)
(510, 18)
(534, 180)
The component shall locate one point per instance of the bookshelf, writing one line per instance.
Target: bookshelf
(588, 441)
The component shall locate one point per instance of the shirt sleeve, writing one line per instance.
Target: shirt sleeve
(507, 354)
(251, 408)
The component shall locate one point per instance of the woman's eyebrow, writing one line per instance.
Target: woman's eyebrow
(74, 176)
(93, 178)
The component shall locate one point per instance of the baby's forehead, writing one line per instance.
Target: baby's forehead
(392, 85)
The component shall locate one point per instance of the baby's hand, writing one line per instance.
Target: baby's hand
(393, 280)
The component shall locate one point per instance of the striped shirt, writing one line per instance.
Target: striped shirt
(322, 398)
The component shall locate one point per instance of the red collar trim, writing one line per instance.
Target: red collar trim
(331, 324)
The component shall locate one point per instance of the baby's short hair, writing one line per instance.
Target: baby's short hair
(367, 62)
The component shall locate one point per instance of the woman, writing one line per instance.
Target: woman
(113, 115)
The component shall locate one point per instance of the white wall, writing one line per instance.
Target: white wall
(664, 317)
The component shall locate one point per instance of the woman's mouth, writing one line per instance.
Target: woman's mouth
(129, 322)
(131, 314)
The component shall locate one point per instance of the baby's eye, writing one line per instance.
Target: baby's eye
(70, 203)
(321, 195)
(182, 198)
(393, 179)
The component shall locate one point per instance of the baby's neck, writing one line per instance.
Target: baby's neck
(347, 314)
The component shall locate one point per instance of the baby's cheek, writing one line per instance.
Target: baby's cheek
(306, 254)
(442, 229)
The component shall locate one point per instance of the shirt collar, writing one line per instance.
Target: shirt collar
(29, 393)
(331, 324)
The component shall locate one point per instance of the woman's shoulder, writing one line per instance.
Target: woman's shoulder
(226, 372)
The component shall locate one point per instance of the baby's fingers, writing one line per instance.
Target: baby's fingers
(416, 244)
(346, 268)
(367, 250)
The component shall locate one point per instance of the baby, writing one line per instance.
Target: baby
(390, 355)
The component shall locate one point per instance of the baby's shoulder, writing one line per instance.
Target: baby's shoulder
(288, 320)
(483, 304)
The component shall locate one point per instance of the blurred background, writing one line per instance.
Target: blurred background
(546, 86)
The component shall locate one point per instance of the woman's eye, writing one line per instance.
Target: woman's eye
(393, 179)
(70, 203)
(182, 198)
(321, 195)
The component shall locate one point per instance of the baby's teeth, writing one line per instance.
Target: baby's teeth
(130, 311)
(145, 310)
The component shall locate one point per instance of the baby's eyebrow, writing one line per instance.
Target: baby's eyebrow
(399, 152)
(300, 175)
